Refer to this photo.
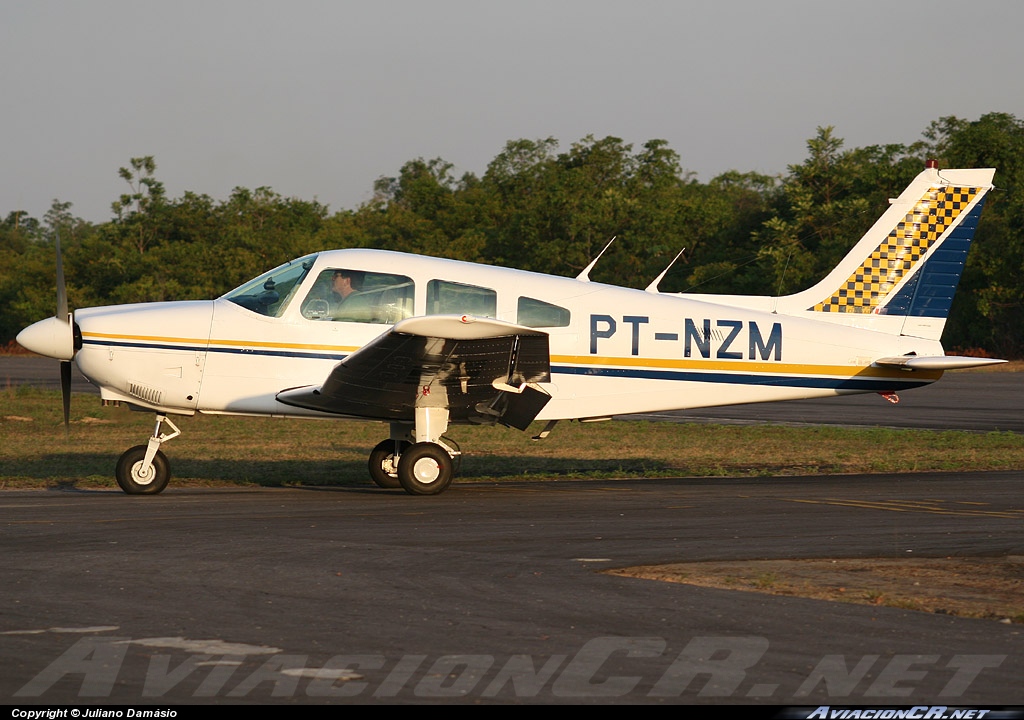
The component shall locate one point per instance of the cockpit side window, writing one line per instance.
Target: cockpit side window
(271, 292)
(347, 295)
(449, 298)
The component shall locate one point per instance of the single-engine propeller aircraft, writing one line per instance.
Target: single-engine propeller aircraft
(421, 342)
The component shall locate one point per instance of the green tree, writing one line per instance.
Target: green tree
(827, 204)
(553, 213)
(138, 212)
(725, 262)
(989, 308)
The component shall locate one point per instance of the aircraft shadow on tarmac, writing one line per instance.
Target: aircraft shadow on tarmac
(316, 473)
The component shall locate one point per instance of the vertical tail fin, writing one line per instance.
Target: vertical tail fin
(902, 275)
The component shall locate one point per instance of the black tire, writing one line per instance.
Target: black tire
(133, 483)
(425, 469)
(382, 465)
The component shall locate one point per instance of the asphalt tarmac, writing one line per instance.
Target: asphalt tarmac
(35, 371)
(495, 593)
(980, 401)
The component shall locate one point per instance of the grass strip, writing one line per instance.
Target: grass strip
(218, 450)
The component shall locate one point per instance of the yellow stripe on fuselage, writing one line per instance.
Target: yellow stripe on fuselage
(736, 366)
(740, 366)
(228, 343)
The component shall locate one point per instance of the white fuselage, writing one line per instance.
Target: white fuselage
(614, 350)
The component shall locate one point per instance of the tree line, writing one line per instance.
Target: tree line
(539, 207)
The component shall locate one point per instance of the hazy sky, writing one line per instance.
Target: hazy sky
(318, 99)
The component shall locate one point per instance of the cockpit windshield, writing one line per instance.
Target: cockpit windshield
(270, 293)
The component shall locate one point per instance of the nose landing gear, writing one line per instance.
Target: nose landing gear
(144, 469)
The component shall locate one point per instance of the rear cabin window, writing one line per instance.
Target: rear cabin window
(449, 298)
(344, 295)
(537, 313)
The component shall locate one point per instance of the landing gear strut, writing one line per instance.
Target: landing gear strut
(144, 469)
(425, 467)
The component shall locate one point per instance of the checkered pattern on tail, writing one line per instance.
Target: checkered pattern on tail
(897, 255)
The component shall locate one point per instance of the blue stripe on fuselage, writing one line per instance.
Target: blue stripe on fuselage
(730, 379)
(640, 374)
(223, 350)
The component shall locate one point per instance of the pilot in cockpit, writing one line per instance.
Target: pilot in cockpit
(345, 295)
(343, 284)
(335, 296)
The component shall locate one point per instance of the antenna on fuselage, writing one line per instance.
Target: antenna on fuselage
(585, 275)
(653, 287)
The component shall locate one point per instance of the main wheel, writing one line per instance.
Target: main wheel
(133, 480)
(384, 466)
(425, 469)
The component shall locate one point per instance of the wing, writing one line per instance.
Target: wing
(482, 370)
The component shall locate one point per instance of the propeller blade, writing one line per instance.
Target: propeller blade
(53, 337)
(65, 393)
(62, 315)
(62, 291)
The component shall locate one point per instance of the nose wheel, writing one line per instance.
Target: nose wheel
(136, 477)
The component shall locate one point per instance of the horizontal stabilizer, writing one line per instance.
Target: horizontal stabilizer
(938, 362)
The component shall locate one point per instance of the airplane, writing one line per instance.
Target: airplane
(422, 343)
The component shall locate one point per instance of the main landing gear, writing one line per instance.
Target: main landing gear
(144, 469)
(423, 467)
